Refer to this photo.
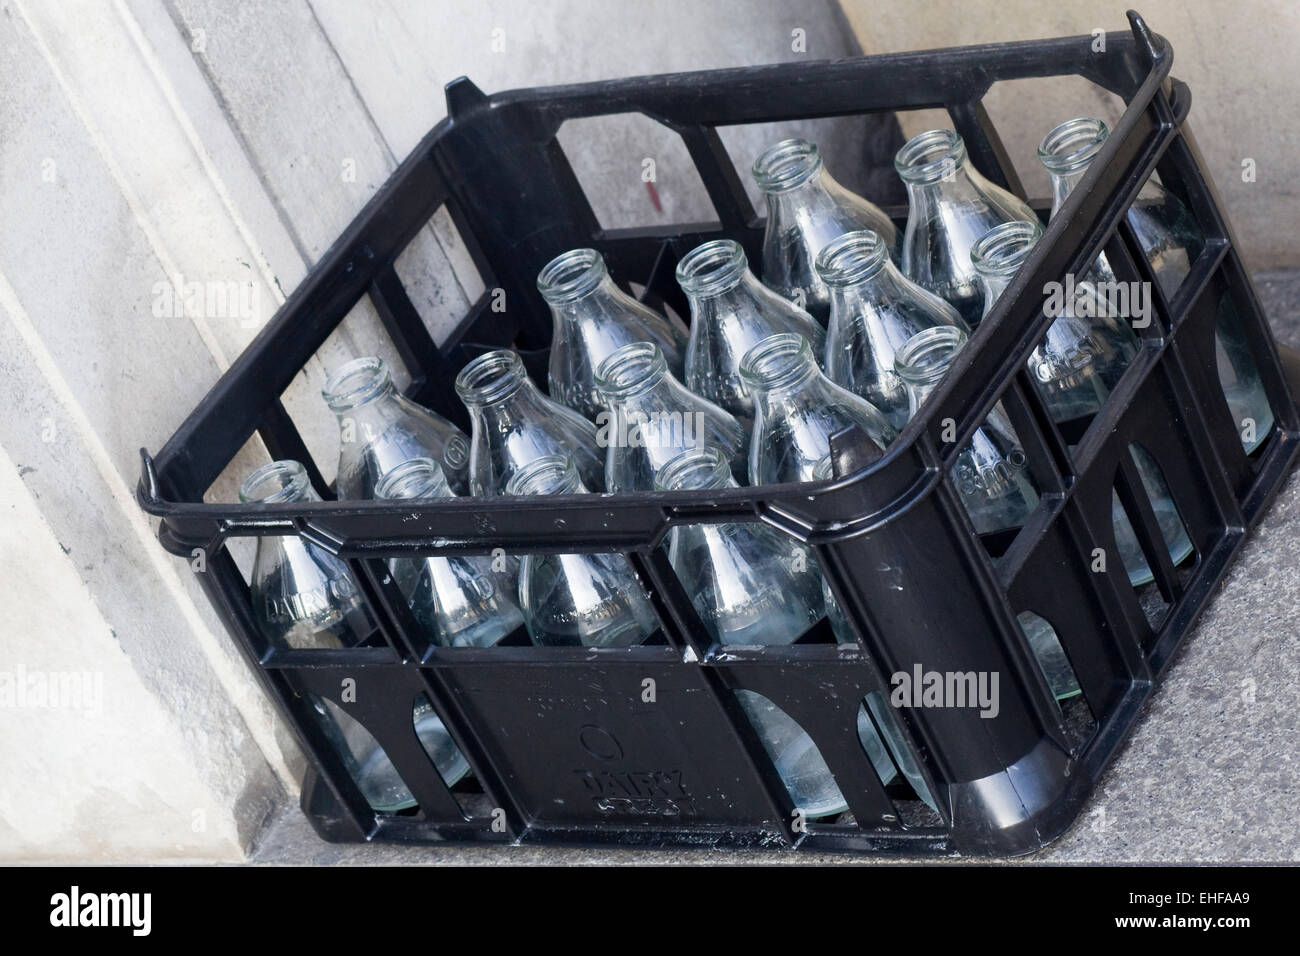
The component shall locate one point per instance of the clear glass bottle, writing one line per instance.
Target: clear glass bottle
(370, 767)
(304, 598)
(1084, 353)
(379, 428)
(1075, 368)
(749, 583)
(797, 410)
(513, 423)
(806, 209)
(459, 601)
(731, 312)
(950, 205)
(651, 418)
(593, 600)
(1168, 233)
(989, 473)
(795, 756)
(1066, 152)
(874, 311)
(1049, 653)
(594, 317)
(1239, 378)
(1164, 227)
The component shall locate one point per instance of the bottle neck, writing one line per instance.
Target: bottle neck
(993, 284)
(962, 185)
(939, 175)
(924, 360)
(716, 278)
(1063, 184)
(745, 297)
(636, 377)
(699, 468)
(360, 388)
(280, 482)
(999, 254)
(1067, 151)
(548, 475)
(814, 198)
(779, 365)
(417, 478)
(795, 184)
(602, 300)
(935, 164)
(713, 269)
(578, 288)
(496, 386)
(856, 268)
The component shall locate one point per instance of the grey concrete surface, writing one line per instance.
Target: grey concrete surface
(1211, 774)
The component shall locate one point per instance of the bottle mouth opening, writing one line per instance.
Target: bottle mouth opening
(930, 156)
(777, 361)
(490, 377)
(1003, 249)
(355, 383)
(701, 467)
(631, 369)
(926, 356)
(1072, 145)
(787, 164)
(713, 267)
(548, 475)
(852, 257)
(571, 275)
(416, 478)
(276, 483)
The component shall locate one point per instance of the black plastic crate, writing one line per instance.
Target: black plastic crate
(561, 743)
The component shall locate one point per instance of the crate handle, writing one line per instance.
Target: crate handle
(1146, 41)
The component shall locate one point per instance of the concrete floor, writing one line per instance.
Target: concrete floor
(1209, 775)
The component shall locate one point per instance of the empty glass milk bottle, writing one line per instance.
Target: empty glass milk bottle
(1163, 225)
(874, 311)
(651, 419)
(380, 428)
(795, 756)
(303, 596)
(512, 423)
(1239, 378)
(989, 472)
(1084, 353)
(1075, 367)
(1169, 236)
(797, 410)
(806, 209)
(459, 601)
(731, 311)
(593, 317)
(593, 600)
(750, 583)
(370, 767)
(950, 205)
